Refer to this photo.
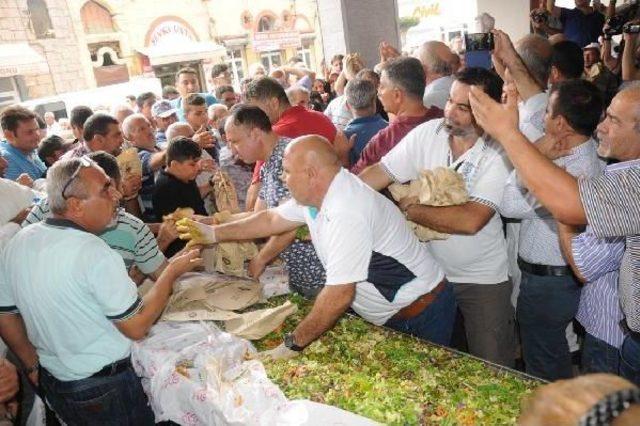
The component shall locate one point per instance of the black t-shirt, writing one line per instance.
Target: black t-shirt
(169, 194)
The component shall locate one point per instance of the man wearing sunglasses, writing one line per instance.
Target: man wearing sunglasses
(70, 312)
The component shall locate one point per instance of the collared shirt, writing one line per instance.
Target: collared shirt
(161, 139)
(364, 128)
(532, 112)
(480, 258)
(299, 121)
(361, 237)
(129, 236)
(20, 163)
(338, 112)
(79, 150)
(612, 206)
(437, 92)
(69, 293)
(538, 242)
(386, 139)
(581, 28)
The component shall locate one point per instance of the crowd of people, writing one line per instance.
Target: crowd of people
(539, 271)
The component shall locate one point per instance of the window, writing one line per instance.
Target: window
(305, 54)
(266, 23)
(234, 60)
(271, 60)
(96, 19)
(40, 20)
(8, 92)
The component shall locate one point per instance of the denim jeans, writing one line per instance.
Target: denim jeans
(546, 306)
(630, 359)
(112, 400)
(599, 357)
(434, 323)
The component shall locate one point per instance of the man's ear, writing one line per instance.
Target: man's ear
(74, 209)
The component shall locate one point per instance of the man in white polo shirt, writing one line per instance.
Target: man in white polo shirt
(80, 308)
(374, 263)
(474, 257)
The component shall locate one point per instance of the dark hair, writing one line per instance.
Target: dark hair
(408, 74)
(568, 58)
(218, 69)
(131, 98)
(79, 115)
(580, 103)
(224, 89)
(144, 97)
(266, 88)
(185, 70)
(97, 124)
(182, 149)
(195, 99)
(490, 82)
(108, 163)
(13, 115)
(48, 146)
(169, 90)
(250, 116)
(338, 57)
(41, 123)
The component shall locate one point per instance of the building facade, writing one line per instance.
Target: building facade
(49, 47)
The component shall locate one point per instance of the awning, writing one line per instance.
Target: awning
(166, 53)
(21, 59)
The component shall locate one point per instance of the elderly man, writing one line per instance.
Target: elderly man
(436, 59)
(187, 83)
(549, 292)
(608, 203)
(250, 135)
(474, 257)
(401, 90)
(374, 263)
(164, 115)
(298, 96)
(22, 135)
(80, 315)
(138, 131)
(53, 128)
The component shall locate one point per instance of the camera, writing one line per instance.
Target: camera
(478, 42)
(630, 28)
(539, 17)
(613, 25)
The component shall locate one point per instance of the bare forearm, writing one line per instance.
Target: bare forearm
(154, 303)
(276, 245)
(556, 189)
(449, 219)
(323, 316)
(629, 70)
(527, 86)
(565, 236)
(157, 160)
(375, 177)
(14, 334)
(258, 225)
(340, 84)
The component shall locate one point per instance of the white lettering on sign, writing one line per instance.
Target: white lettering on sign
(8, 71)
(276, 40)
(171, 32)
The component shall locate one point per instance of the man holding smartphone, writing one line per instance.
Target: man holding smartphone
(582, 24)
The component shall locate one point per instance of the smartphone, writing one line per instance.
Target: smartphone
(478, 47)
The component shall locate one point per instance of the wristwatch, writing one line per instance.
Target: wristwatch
(290, 343)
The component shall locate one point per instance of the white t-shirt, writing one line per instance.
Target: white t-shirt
(479, 258)
(361, 237)
(437, 92)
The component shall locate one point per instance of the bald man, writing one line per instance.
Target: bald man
(374, 263)
(437, 60)
(609, 204)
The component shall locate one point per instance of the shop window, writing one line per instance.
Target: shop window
(305, 54)
(96, 19)
(8, 92)
(271, 60)
(234, 60)
(40, 19)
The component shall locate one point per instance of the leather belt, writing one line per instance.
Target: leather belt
(114, 368)
(420, 304)
(544, 270)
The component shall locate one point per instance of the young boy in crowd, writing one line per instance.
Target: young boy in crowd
(195, 113)
(51, 149)
(176, 187)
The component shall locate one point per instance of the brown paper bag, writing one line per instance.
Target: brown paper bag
(129, 163)
(438, 187)
(224, 193)
(257, 324)
(230, 258)
(233, 295)
(199, 315)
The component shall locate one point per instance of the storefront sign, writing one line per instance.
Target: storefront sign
(171, 32)
(8, 71)
(276, 40)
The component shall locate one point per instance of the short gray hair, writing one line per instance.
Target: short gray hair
(57, 178)
(360, 94)
(536, 54)
(179, 129)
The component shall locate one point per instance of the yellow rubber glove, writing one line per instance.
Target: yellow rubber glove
(198, 234)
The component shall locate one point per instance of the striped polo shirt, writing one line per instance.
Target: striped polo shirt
(130, 237)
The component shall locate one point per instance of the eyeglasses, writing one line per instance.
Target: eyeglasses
(84, 162)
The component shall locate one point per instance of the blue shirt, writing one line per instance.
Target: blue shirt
(177, 103)
(20, 163)
(580, 28)
(365, 128)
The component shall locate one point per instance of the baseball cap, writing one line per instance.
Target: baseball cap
(595, 46)
(163, 109)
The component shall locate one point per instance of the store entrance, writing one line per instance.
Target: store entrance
(167, 73)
